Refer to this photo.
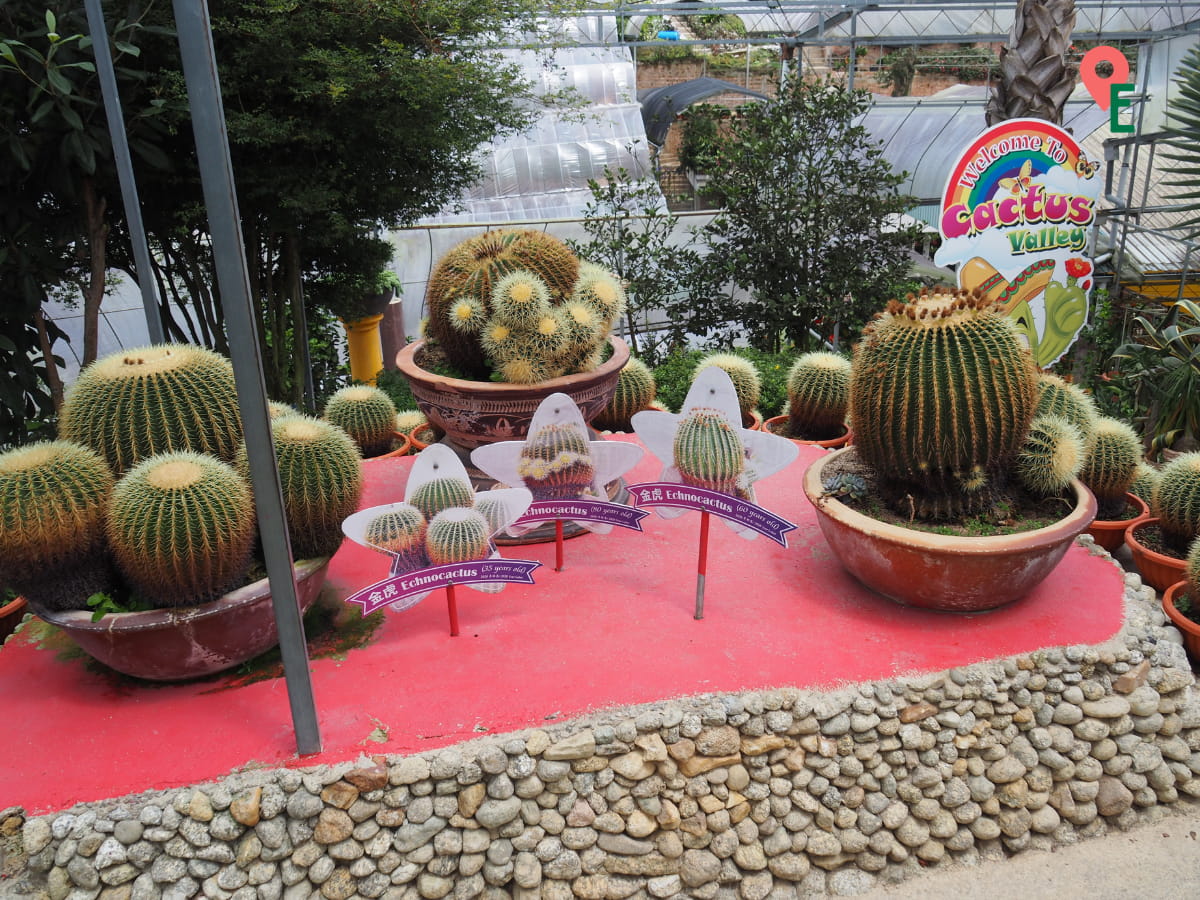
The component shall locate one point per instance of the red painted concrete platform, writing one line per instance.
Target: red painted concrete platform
(614, 628)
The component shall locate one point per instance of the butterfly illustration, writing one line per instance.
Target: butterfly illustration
(1020, 184)
(1084, 168)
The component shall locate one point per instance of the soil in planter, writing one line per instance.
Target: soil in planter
(1151, 537)
(1022, 512)
(1187, 608)
(1118, 511)
(781, 429)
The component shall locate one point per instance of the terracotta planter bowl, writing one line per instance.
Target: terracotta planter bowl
(171, 645)
(778, 425)
(10, 616)
(940, 572)
(1157, 569)
(1189, 629)
(1110, 533)
(474, 413)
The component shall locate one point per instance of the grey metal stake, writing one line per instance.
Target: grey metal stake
(220, 198)
(120, 142)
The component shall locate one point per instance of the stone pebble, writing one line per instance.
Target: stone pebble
(753, 795)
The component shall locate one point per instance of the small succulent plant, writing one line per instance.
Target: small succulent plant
(847, 485)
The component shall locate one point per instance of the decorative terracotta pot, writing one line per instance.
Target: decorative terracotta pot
(474, 413)
(10, 616)
(1157, 569)
(1110, 533)
(174, 644)
(1189, 629)
(417, 444)
(941, 572)
(778, 425)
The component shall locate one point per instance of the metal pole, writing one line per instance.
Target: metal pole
(120, 142)
(220, 199)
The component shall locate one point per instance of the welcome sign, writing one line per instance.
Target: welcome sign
(1016, 219)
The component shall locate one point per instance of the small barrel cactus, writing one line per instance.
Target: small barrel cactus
(556, 463)
(1176, 501)
(401, 531)
(321, 479)
(457, 535)
(365, 413)
(277, 410)
(1060, 398)
(1111, 464)
(521, 303)
(941, 396)
(439, 494)
(818, 390)
(135, 403)
(1191, 573)
(53, 500)
(747, 383)
(181, 527)
(1145, 479)
(709, 453)
(634, 392)
(1051, 456)
(410, 420)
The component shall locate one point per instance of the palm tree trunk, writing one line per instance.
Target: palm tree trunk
(1035, 77)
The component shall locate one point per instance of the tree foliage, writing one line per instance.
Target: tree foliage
(810, 224)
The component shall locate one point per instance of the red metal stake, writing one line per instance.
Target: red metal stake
(702, 565)
(558, 545)
(452, 607)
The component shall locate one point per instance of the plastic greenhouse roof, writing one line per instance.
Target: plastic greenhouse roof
(661, 105)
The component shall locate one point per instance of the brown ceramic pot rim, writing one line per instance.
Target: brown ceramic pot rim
(1125, 523)
(407, 363)
(151, 619)
(997, 544)
(776, 420)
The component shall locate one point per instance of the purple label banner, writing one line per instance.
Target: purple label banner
(669, 493)
(584, 511)
(398, 588)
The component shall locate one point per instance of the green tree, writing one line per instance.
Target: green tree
(809, 228)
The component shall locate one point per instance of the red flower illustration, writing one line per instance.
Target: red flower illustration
(1078, 267)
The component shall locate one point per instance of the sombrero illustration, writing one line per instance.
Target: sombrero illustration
(978, 273)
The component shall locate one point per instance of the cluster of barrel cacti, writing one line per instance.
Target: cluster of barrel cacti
(521, 305)
(556, 462)
(148, 488)
(444, 521)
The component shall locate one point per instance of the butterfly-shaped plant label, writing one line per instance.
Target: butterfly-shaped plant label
(440, 534)
(564, 470)
(710, 462)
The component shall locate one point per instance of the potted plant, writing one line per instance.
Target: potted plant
(1160, 543)
(635, 391)
(1109, 471)
(134, 534)
(818, 390)
(1181, 602)
(943, 395)
(747, 384)
(368, 415)
(514, 316)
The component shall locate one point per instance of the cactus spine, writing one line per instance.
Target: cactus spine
(1111, 464)
(1059, 398)
(634, 392)
(321, 477)
(556, 463)
(1191, 573)
(439, 494)
(747, 383)
(1145, 479)
(400, 531)
(942, 394)
(53, 500)
(709, 453)
(133, 404)
(457, 535)
(181, 527)
(1051, 456)
(365, 413)
(818, 390)
(1176, 501)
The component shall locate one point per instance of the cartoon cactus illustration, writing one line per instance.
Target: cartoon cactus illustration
(401, 531)
(321, 478)
(747, 383)
(818, 390)
(133, 404)
(439, 494)
(634, 392)
(457, 535)
(942, 394)
(1111, 464)
(181, 527)
(556, 463)
(1176, 501)
(709, 453)
(365, 413)
(1051, 456)
(53, 501)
